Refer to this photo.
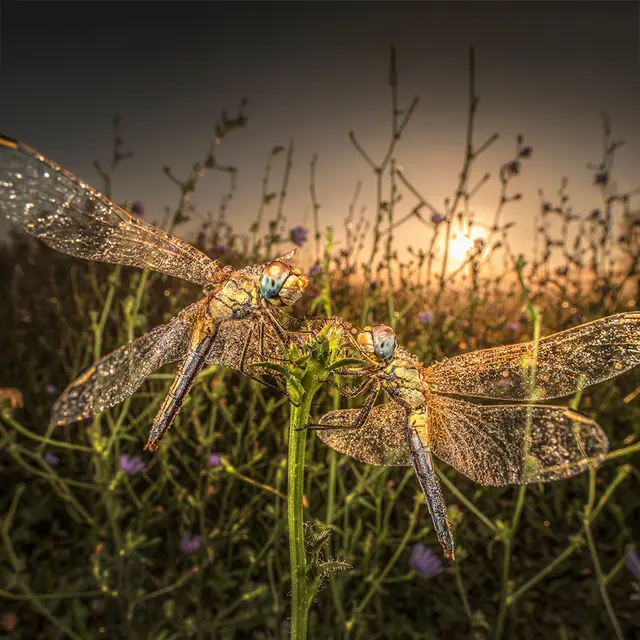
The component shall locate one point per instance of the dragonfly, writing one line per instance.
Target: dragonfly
(62, 211)
(492, 444)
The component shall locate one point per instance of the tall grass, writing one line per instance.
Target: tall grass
(191, 542)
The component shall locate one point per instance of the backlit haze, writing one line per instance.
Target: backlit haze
(312, 72)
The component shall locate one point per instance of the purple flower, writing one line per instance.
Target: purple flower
(25, 316)
(215, 460)
(138, 208)
(512, 326)
(633, 562)
(425, 561)
(622, 238)
(526, 152)
(51, 389)
(51, 459)
(436, 218)
(190, 544)
(562, 270)
(602, 177)
(132, 465)
(298, 235)
(315, 270)
(512, 168)
(426, 317)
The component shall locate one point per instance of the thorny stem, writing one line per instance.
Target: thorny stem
(301, 585)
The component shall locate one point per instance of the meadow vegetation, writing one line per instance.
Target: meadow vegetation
(102, 540)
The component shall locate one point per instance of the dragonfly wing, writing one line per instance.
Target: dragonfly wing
(121, 372)
(564, 362)
(230, 341)
(232, 336)
(381, 440)
(500, 444)
(53, 205)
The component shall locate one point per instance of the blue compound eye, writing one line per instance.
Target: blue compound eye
(274, 276)
(384, 341)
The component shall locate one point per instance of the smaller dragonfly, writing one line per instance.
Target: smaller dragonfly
(493, 445)
(53, 205)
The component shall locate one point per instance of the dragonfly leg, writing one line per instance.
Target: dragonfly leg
(243, 361)
(350, 392)
(360, 419)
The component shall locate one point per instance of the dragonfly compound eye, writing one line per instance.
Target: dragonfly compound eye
(274, 276)
(384, 341)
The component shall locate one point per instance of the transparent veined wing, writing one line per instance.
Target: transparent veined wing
(563, 363)
(232, 337)
(230, 341)
(120, 373)
(382, 440)
(53, 205)
(513, 444)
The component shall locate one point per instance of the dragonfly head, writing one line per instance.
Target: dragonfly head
(282, 284)
(379, 341)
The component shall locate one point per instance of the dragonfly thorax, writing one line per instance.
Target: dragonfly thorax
(401, 379)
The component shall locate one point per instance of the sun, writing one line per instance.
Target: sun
(459, 246)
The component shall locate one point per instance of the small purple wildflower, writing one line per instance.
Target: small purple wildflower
(138, 208)
(504, 383)
(512, 326)
(215, 460)
(298, 235)
(425, 561)
(512, 168)
(602, 177)
(436, 218)
(190, 544)
(315, 270)
(526, 152)
(133, 465)
(622, 238)
(51, 459)
(25, 316)
(633, 562)
(51, 389)
(426, 317)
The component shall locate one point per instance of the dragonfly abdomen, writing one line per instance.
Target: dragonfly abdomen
(189, 368)
(429, 483)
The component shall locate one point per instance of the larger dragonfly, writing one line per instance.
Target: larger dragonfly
(53, 205)
(491, 444)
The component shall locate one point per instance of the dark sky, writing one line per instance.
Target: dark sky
(313, 71)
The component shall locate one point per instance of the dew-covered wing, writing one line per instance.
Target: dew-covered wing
(552, 367)
(53, 205)
(260, 340)
(517, 444)
(382, 440)
(120, 373)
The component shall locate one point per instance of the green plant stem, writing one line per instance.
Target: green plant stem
(600, 577)
(301, 591)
